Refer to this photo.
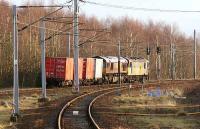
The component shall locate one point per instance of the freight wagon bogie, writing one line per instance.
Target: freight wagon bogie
(51, 82)
(98, 81)
(139, 78)
(58, 82)
(66, 83)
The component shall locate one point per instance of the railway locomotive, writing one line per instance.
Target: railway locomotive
(96, 70)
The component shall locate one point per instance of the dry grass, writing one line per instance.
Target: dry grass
(38, 122)
(2, 108)
(179, 91)
(153, 126)
(2, 126)
(30, 101)
(172, 98)
(120, 128)
(144, 100)
(35, 96)
(181, 113)
(4, 118)
(5, 111)
(153, 122)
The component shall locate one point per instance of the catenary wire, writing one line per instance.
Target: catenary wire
(141, 9)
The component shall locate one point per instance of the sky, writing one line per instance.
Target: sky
(186, 22)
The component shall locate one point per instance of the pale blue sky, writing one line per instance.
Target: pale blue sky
(186, 22)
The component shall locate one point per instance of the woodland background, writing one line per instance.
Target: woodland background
(100, 37)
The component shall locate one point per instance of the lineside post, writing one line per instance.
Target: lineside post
(173, 61)
(195, 55)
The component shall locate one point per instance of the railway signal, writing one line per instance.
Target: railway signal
(148, 57)
(119, 71)
(158, 50)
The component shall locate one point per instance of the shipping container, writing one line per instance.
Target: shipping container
(88, 68)
(69, 70)
(50, 67)
(59, 68)
(98, 68)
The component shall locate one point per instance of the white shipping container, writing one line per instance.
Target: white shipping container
(98, 68)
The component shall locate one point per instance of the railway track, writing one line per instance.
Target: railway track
(80, 103)
(77, 114)
(23, 90)
(28, 90)
(94, 122)
(109, 116)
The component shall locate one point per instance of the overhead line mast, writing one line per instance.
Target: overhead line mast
(76, 47)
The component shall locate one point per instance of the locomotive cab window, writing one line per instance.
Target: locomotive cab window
(112, 66)
(144, 65)
(124, 66)
(147, 65)
(130, 64)
(108, 64)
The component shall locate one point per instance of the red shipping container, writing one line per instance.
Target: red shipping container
(88, 68)
(59, 68)
(50, 67)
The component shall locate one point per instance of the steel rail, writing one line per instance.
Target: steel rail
(145, 114)
(59, 124)
(5, 91)
(2, 91)
(91, 104)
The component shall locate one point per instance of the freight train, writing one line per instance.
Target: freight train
(96, 70)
